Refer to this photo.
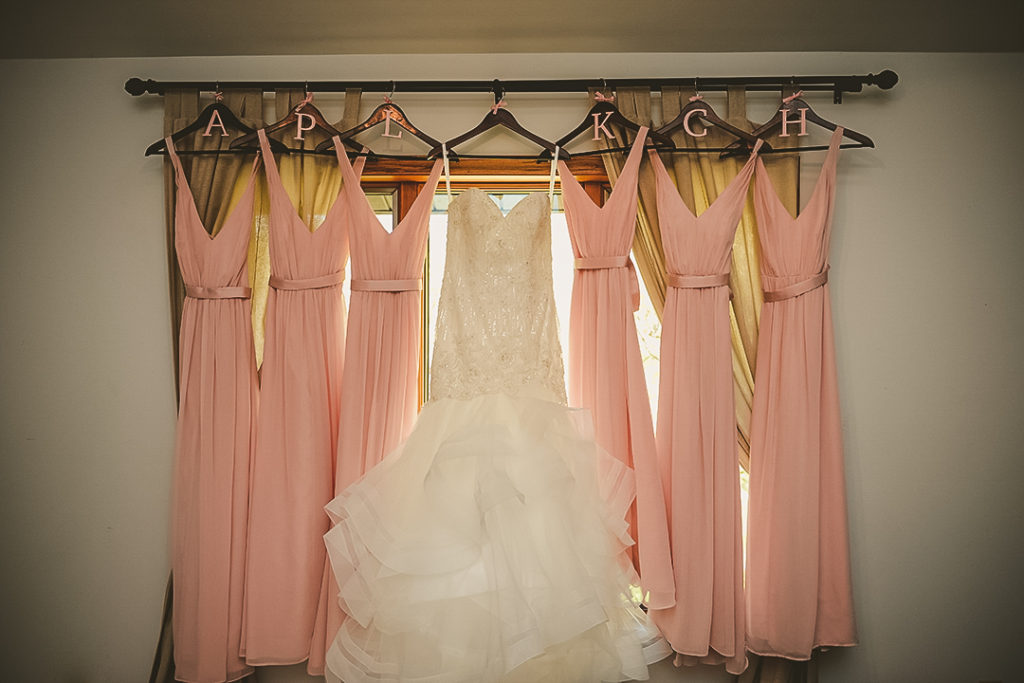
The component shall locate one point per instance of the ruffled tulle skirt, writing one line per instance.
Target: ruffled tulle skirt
(489, 547)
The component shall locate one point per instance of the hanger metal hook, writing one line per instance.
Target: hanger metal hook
(793, 86)
(217, 94)
(391, 94)
(498, 89)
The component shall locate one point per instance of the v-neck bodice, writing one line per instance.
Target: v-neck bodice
(296, 252)
(796, 247)
(377, 254)
(606, 230)
(206, 260)
(700, 245)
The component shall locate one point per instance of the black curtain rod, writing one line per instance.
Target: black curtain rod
(734, 151)
(837, 84)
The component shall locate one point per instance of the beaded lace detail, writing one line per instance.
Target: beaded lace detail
(497, 331)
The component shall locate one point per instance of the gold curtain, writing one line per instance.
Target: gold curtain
(217, 181)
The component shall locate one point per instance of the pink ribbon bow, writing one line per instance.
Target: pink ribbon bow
(304, 102)
(787, 100)
(601, 98)
(498, 105)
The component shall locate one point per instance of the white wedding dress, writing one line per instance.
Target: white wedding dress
(489, 546)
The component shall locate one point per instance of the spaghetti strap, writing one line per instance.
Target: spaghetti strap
(832, 156)
(632, 165)
(173, 154)
(628, 173)
(273, 175)
(185, 190)
(346, 166)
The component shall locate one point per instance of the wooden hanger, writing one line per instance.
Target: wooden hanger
(305, 107)
(791, 106)
(702, 111)
(607, 113)
(497, 116)
(218, 108)
(384, 112)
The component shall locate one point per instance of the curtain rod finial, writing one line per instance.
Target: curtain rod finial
(137, 86)
(885, 79)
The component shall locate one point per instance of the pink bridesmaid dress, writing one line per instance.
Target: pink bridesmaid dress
(696, 436)
(606, 373)
(215, 438)
(798, 566)
(379, 390)
(293, 468)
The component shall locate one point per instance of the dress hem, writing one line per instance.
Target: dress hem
(802, 658)
(234, 677)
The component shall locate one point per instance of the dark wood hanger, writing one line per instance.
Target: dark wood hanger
(704, 112)
(495, 117)
(231, 122)
(792, 109)
(250, 140)
(383, 112)
(602, 108)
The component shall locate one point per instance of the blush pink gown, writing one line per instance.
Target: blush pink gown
(606, 373)
(798, 566)
(293, 469)
(215, 439)
(379, 389)
(696, 436)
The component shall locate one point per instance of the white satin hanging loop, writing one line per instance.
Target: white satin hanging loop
(447, 171)
(554, 169)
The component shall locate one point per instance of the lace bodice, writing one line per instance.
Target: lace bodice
(497, 330)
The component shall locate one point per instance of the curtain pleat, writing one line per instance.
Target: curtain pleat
(179, 105)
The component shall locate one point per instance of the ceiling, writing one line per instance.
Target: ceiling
(153, 28)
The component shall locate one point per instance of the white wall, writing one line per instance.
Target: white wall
(926, 283)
